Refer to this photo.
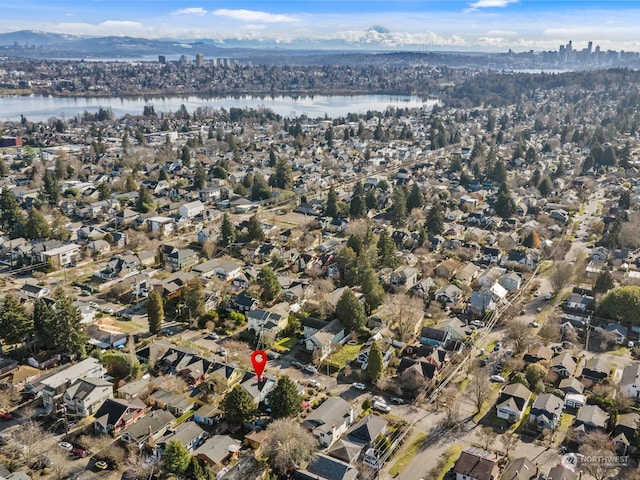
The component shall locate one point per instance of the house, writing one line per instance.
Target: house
(30, 291)
(105, 338)
(630, 381)
(589, 418)
(578, 303)
(560, 472)
(487, 279)
(115, 414)
(125, 217)
(575, 400)
(448, 268)
(17, 378)
(346, 450)
(217, 450)
(596, 369)
(86, 395)
(433, 336)
(467, 274)
(244, 303)
(367, 430)
(480, 302)
(416, 371)
(311, 325)
(330, 420)
(64, 256)
(188, 434)
(571, 385)
(56, 384)
(449, 294)
(490, 255)
(147, 430)
(161, 225)
(520, 469)
(120, 266)
(512, 402)
(324, 467)
(226, 269)
(625, 433)
(521, 258)
(405, 277)
(181, 259)
(511, 281)
(191, 209)
(260, 321)
(538, 353)
(616, 333)
(564, 365)
(258, 389)
(207, 414)
(44, 360)
(135, 389)
(99, 247)
(545, 411)
(476, 464)
(324, 339)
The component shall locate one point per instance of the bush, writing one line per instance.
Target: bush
(367, 404)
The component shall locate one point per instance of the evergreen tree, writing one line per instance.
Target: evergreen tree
(282, 178)
(609, 157)
(544, 187)
(195, 470)
(247, 181)
(604, 282)
(387, 257)
(415, 198)
(328, 136)
(43, 322)
(347, 265)
(535, 178)
(331, 209)
(285, 399)
(260, 188)
(532, 240)
(374, 363)
(354, 242)
(144, 203)
(370, 199)
(531, 155)
(238, 406)
(358, 208)
(192, 295)
(10, 212)
(185, 156)
(69, 336)
(36, 226)
(398, 208)
(625, 200)
(104, 192)
(272, 156)
(504, 205)
(268, 282)
(175, 458)
(4, 171)
(200, 177)
(372, 290)
(155, 312)
(498, 172)
(350, 312)
(50, 187)
(254, 229)
(434, 224)
(15, 324)
(130, 183)
(228, 231)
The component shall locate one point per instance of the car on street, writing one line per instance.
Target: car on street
(497, 347)
(381, 407)
(538, 310)
(313, 383)
(296, 364)
(108, 310)
(222, 352)
(397, 400)
(80, 452)
(101, 465)
(537, 293)
(66, 446)
(534, 324)
(310, 369)
(547, 296)
(496, 378)
(359, 386)
(477, 323)
(213, 336)
(6, 416)
(378, 398)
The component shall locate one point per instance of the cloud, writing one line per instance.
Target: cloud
(502, 33)
(189, 11)
(491, 3)
(254, 16)
(120, 24)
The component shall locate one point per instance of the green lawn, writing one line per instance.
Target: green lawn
(286, 343)
(408, 454)
(344, 355)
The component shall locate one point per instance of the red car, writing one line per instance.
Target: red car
(5, 416)
(79, 452)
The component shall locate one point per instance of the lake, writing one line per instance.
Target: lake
(39, 108)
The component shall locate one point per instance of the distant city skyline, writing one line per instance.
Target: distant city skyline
(482, 25)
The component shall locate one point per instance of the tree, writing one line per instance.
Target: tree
(404, 314)
(517, 334)
(387, 257)
(175, 458)
(155, 312)
(597, 444)
(50, 187)
(371, 289)
(254, 230)
(36, 226)
(288, 445)
(370, 199)
(192, 295)
(434, 224)
(561, 276)
(43, 322)
(9, 210)
(28, 434)
(104, 192)
(130, 184)
(535, 373)
(282, 178)
(260, 189)
(532, 240)
(350, 312)
(238, 406)
(272, 156)
(374, 363)
(499, 172)
(621, 304)
(544, 187)
(347, 262)
(609, 157)
(227, 231)
(144, 203)
(285, 399)
(69, 334)
(415, 198)
(604, 282)
(504, 205)
(479, 388)
(357, 207)
(508, 440)
(199, 177)
(331, 209)
(487, 435)
(15, 325)
(550, 332)
(268, 282)
(398, 211)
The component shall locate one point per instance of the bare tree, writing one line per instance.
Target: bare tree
(550, 332)
(479, 388)
(599, 445)
(209, 248)
(288, 445)
(508, 441)
(560, 276)
(139, 467)
(404, 314)
(451, 408)
(487, 436)
(174, 384)
(59, 464)
(238, 352)
(28, 434)
(8, 397)
(517, 334)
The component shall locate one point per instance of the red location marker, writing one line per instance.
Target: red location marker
(259, 361)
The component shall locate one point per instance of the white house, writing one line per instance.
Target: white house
(63, 256)
(163, 225)
(325, 338)
(630, 381)
(191, 209)
(330, 420)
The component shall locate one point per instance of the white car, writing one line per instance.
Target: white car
(534, 324)
(66, 446)
(477, 323)
(497, 378)
(310, 369)
(381, 407)
(313, 383)
(359, 386)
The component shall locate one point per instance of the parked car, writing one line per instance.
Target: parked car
(397, 400)
(313, 383)
(548, 296)
(66, 446)
(381, 407)
(213, 336)
(537, 293)
(534, 324)
(496, 378)
(6, 416)
(222, 352)
(310, 369)
(296, 364)
(378, 398)
(80, 452)
(478, 323)
(101, 465)
(359, 386)
(497, 347)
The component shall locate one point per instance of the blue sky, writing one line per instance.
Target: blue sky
(475, 24)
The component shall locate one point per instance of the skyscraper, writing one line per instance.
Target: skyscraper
(199, 60)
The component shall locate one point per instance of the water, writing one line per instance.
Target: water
(40, 108)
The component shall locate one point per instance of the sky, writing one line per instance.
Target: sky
(494, 25)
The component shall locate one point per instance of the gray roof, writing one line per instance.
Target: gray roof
(561, 473)
(631, 374)
(345, 450)
(592, 415)
(332, 412)
(548, 402)
(367, 429)
(216, 448)
(326, 468)
(598, 364)
(520, 469)
(184, 433)
(155, 421)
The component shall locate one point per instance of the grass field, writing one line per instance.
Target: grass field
(408, 454)
(344, 355)
(286, 343)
